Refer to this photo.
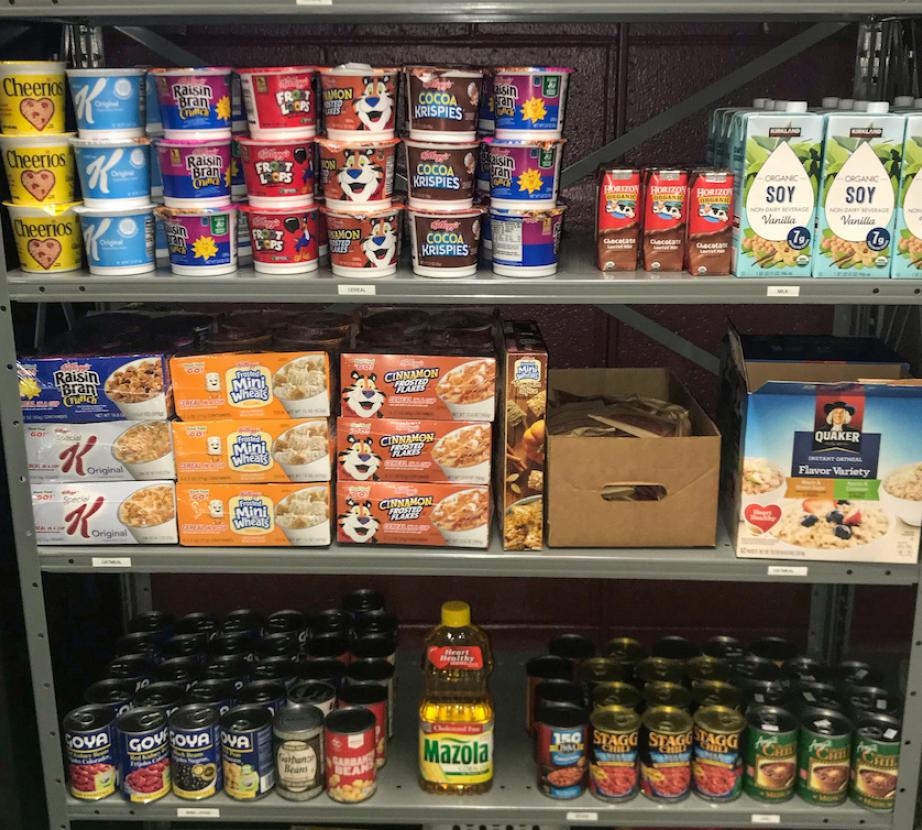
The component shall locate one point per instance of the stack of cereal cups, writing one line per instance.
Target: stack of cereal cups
(195, 168)
(486, 125)
(525, 153)
(239, 129)
(357, 161)
(277, 161)
(443, 107)
(39, 165)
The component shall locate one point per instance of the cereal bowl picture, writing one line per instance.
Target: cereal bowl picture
(828, 524)
(146, 451)
(901, 493)
(464, 454)
(150, 515)
(524, 523)
(137, 389)
(301, 386)
(762, 482)
(303, 452)
(463, 518)
(469, 390)
(304, 517)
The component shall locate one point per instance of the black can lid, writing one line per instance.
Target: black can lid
(129, 665)
(178, 669)
(774, 719)
(379, 671)
(234, 665)
(363, 600)
(240, 626)
(160, 694)
(89, 718)
(819, 696)
(298, 719)
(350, 721)
(278, 643)
(601, 670)
(877, 727)
(872, 699)
(331, 620)
(571, 646)
(245, 616)
(194, 716)
(559, 691)
(752, 667)
(373, 646)
(664, 693)
(210, 690)
(246, 718)
(807, 668)
(232, 642)
(376, 622)
(135, 642)
(182, 645)
(825, 722)
(109, 691)
(723, 645)
(624, 649)
(311, 691)
(561, 715)
(550, 667)
(198, 622)
(365, 695)
(274, 668)
(675, 647)
(153, 622)
(143, 719)
(857, 671)
(776, 649)
(326, 646)
(285, 620)
(323, 668)
(261, 691)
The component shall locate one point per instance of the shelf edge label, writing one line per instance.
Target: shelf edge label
(788, 570)
(313, 2)
(357, 290)
(782, 291)
(198, 812)
(766, 818)
(111, 561)
(582, 815)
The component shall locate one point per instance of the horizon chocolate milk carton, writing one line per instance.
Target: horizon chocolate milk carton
(710, 222)
(857, 205)
(618, 218)
(907, 235)
(775, 158)
(665, 207)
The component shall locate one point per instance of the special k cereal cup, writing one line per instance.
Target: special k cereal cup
(32, 97)
(364, 245)
(359, 102)
(39, 168)
(47, 237)
(357, 175)
(280, 101)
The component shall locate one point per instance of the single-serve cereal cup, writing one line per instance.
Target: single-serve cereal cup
(32, 97)
(39, 168)
(443, 103)
(364, 244)
(153, 125)
(357, 175)
(118, 241)
(526, 243)
(238, 182)
(441, 175)
(359, 102)
(195, 103)
(108, 103)
(113, 172)
(202, 242)
(280, 101)
(524, 175)
(47, 237)
(445, 244)
(284, 240)
(278, 172)
(529, 101)
(195, 173)
(486, 121)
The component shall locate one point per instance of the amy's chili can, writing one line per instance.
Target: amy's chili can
(658, 668)
(824, 756)
(560, 749)
(871, 700)
(770, 770)
(725, 647)
(349, 754)
(854, 672)
(613, 737)
(661, 693)
(875, 761)
(89, 744)
(665, 753)
(819, 696)
(617, 694)
(537, 670)
(372, 697)
(716, 693)
(246, 749)
(717, 763)
(675, 647)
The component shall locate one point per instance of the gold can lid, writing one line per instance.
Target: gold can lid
(720, 719)
(617, 719)
(616, 694)
(667, 720)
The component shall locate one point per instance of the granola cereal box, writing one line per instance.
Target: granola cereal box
(270, 515)
(81, 389)
(105, 513)
(239, 450)
(260, 385)
(400, 449)
(107, 451)
(519, 467)
(434, 514)
(452, 387)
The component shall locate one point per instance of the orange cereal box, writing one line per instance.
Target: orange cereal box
(418, 386)
(239, 450)
(262, 385)
(400, 449)
(392, 513)
(270, 515)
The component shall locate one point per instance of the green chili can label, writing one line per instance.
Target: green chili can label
(824, 756)
(770, 764)
(876, 762)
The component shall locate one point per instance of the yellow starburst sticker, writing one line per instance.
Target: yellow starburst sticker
(223, 108)
(530, 181)
(533, 110)
(228, 176)
(29, 388)
(204, 248)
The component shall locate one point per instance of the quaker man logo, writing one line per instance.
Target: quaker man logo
(838, 426)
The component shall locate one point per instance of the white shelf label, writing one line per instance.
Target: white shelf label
(582, 815)
(766, 818)
(358, 290)
(111, 561)
(198, 812)
(788, 570)
(313, 2)
(782, 291)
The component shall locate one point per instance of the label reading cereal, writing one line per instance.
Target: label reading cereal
(456, 753)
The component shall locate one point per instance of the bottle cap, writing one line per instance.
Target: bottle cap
(779, 105)
(917, 104)
(860, 106)
(830, 102)
(878, 106)
(846, 103)
(759, 103)
(769, 103)
(902, 101)
(456, 614)
(795, 106)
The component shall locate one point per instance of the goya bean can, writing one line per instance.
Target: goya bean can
(219, 694)
(824, 756)
(560, 749)
(617, 694)
(195, 751)
(613, 737)
(875, 761)
(143, 755)
(166, 696)
(270, 693)
(537, 670)
(246, 749)
(665, 753)
(716, 693)
(89, 744)
(717, 762)
(349, 754)
(116, 694)
(770, 772)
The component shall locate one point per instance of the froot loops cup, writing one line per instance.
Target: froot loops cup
(526, 243)
(524, 175)
(280, 101)
(441, 175)
(114, 172)
(445, 244)
(364, 245)
(357, 175)
(359, 102)
(443, 103)
(39, 168)
(284, 239)
(31, 97)
(108, 103)
(195, 103)
(202, 242)
(278, 172)
(118, 242)
(195, 173)
(529, 101)
(47, 237)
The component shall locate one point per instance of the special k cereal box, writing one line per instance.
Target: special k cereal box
(391, 513)
(398, 449)
(240, 450)
(270, 515)
(262, 385)
(418, 386)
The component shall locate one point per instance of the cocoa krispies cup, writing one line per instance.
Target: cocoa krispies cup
(445, 243)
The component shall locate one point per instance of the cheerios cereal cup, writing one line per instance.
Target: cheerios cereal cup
(39, 168)
(32, 97)
(47, 237)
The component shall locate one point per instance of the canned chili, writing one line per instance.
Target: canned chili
(138, 642)
(875, 761)
(659, 668)
(764, 692)
(298, 739)
(665, 753)
(268, 693)
(246, 749)
(750, 666)
(857, 672)
(199, 622)
(627, 651)
(195, 751)
(232, 644)
(597, 670)
(287, 621)
(279, 644)
(537, 670)
(807, 668)
(824, 753)
(165, 696)
(184, 671)
(374, 647)
(349, 754)
(158, 624)
(661, 693)
(314, 693)
(614, 734)
(617, 694)
(324, 670)
(331, 621)
(372, 623)
(819, 696)
(374, 698)
(89, 743)
(327, 646)
(717, 762)
(871, 700)
(573, 647)
(724, 647)
(218, 694)
(116, 694)
(375, 672)
(363, 601)
(771, 753)
(716, 693)
(675, 647)
(233, 668)
(704, 667)
(185, 645)
(143, 755)
(776, 649)
(280, 669)
(132, 667)
(244, 620)
(560, 749)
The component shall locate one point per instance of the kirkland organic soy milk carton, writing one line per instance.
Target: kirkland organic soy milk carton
(907, 235)
(857, 205)
(775, 157)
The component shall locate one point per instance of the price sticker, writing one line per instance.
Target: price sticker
(111, 561)
(766, 818)
(782, 291)
(582, 815)
(357, 290)
(198, 812)
(788, 570)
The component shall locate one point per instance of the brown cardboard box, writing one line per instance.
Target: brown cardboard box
(579, 468)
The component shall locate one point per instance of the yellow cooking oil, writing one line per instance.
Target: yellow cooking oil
(456, 710)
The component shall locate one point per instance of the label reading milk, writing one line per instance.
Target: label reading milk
(781, 196)
(860, 201)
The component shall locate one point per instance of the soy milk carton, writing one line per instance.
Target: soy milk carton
(907, 255)
(857, 207)
(775, 157)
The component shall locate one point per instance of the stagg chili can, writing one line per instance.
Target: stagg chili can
(675, 647)
(269, 693)
(320, 695)
(613, 737)
(704, 667)
(349, 754)
(824, 756)
(298, 743)
(537, 670)
(374, 698)
(573, 647)
(716, 693)
(219, 694)
(617, 694)
(89, 745)
(661, 693)
(875, 761)
(665, 753)
(195, 752)
(561, 731)
(665, 669)
(377, 672)
(770, 768)
(116, 694)
(246, 749)
(597, 670)
(143, 755)
(724, 647)
(717, 760)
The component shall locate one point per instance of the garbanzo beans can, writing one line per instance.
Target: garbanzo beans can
(824, 756)
(616, 694)
(614, 732)
(771, 754)
(875, 761)
(717, 762)
(665, 753)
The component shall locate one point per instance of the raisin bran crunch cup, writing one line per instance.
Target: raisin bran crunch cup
(364, 244)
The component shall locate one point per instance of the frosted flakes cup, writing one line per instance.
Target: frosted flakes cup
(529, 101)
(359, 101)
(195, 174)
(524, 175)
(440, 176)
(364, 245)
(280, 101)
(32, 97)
(357, 175)
(47, 237)
(526, 243)
(278, 172)
(195, 102)
(108, 103)
(118, 241)
(202, 242)
(284, 240)
(113, 172)
(39, 168)
(443, 103)
(445, 244)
